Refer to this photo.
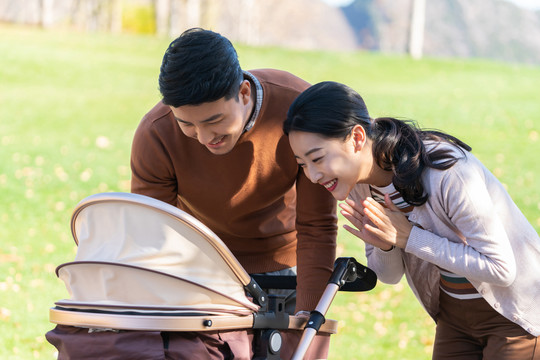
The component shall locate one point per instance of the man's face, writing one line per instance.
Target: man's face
(218, 124)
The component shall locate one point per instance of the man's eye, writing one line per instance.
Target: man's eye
(301, 165)
(214, 122)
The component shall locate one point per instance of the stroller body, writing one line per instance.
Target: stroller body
(149, 281)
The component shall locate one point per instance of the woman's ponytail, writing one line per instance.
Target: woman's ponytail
(399, 146)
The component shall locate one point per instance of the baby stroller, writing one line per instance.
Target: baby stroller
(147, 274)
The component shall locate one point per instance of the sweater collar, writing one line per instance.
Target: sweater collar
(258, 100)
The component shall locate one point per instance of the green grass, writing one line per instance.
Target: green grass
(70, 102)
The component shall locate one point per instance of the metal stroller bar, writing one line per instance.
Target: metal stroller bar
(346, 270)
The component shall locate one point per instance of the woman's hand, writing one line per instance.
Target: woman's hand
(361, 224)
(376, 225)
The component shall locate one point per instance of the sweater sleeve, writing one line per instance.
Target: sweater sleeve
(388, 265)
(152, 173)
(316, 225)
(485, 253)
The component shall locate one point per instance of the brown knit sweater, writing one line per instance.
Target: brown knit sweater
(255, 198)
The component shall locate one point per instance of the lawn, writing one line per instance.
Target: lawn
(70, 102)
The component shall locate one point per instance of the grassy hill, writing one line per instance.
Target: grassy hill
(70, 102)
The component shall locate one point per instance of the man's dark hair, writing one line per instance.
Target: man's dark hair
(199, 66)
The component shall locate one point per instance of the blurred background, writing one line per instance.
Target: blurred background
(507, 30)
(76, 77)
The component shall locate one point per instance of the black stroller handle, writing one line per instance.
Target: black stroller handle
(359, 278)
(287, 282)
(350, 275)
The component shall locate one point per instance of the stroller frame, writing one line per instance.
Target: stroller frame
(265, 314)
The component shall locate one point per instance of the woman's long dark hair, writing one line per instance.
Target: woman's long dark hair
(332, 110)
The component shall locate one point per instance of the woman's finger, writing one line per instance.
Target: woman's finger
(376, 208)
(357, 212)
(366, 237)
(355, 219)
(375, 218)
(353, 231)
(346, 207)
(389, 203)
(355, 205)
(376, 231)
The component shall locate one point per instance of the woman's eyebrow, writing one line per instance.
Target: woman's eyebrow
(312, 151)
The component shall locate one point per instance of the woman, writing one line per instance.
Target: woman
(427, 208)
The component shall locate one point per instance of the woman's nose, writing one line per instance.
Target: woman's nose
(313, 174)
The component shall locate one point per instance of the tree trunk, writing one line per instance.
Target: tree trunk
(175, 17)
(418, 18)
(46, 13)
(115, 13)
(162, 10)
(193, 12)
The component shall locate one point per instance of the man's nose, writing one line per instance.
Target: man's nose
(204, 137)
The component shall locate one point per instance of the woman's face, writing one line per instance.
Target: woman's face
(336, 164)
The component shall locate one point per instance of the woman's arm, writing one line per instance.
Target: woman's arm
(485, 254)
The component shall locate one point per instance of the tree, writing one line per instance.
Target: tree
(46, 13)
(162, 9)
(418, 18)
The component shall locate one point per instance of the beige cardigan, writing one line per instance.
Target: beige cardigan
(471, 227)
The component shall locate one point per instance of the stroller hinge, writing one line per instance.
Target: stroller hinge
(259, 295)
(274, 317)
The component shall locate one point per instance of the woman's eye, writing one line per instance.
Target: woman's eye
(317, 159)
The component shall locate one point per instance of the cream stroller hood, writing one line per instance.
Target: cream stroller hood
(141, 254)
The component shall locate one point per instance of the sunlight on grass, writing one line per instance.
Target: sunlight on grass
(71, 102)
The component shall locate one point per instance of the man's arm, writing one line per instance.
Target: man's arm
(152, 172)
(316, 223)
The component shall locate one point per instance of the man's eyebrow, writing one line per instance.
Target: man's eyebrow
(211, 118)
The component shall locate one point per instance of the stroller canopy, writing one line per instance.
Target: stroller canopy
(141, 254)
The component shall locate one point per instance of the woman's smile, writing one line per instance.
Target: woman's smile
(330, 185)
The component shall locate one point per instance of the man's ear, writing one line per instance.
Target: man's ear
(358, 136)
(244, 94)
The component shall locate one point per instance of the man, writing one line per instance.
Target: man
(214, 147)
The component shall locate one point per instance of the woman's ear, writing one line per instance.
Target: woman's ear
(358, 137)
